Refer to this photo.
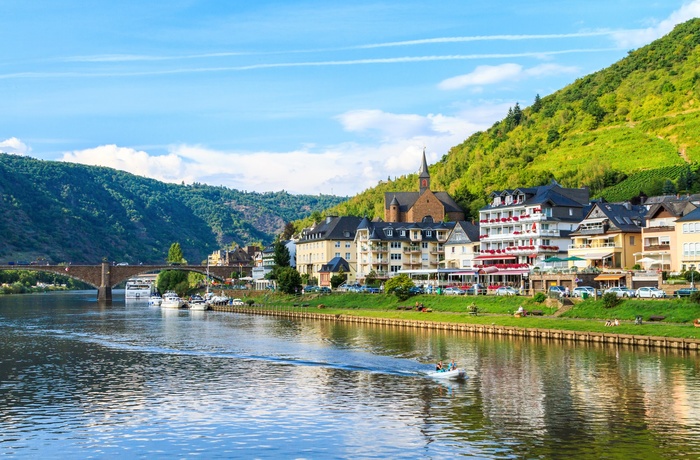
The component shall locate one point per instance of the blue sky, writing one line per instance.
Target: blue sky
(304, 96)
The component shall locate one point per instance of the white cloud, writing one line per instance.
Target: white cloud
(492, 74)
(344, 169)
(15, 146)
(639, 37)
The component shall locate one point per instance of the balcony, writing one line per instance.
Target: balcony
(411, 249)
(375, 248)
(658, 229)
(657, 247)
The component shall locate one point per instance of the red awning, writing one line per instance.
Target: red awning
(494, 257)
(511, 271)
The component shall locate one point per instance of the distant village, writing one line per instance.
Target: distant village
(528, 238)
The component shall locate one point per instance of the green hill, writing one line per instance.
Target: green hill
(632, 127)
(77, 213)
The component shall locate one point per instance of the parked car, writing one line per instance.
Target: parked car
(324, 290)
(414, 290)
(453, 291)
(557, 290)
(309, 289)
(370, 289)
(476, 289)
(580, 290)
(621, 291)
(650, 293)
(506, 290)
(684, 292)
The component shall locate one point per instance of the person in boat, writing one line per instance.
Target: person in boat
(439, 368)
(452, 366)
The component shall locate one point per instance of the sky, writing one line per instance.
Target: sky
(312, 97)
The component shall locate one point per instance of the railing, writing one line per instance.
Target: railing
(657, 247)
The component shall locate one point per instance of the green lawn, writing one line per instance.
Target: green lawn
(588, 315)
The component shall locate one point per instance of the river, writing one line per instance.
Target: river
(84, 380)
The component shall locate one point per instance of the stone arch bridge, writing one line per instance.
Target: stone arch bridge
(105, 276)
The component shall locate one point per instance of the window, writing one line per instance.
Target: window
(396, 256)
(347, 245)
(396, 245)
(631, 240)
(428, 233)
(395, 268)
(424, 245)
(337, 254)
(389, 232)
(337, 244)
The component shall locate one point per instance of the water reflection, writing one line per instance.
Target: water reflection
(83, 379)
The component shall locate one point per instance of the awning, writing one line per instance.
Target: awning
(463, 272)
(494, 257)
(489, 270)
(608, 277)
(603, 237)
(597, 255)
(512, 271)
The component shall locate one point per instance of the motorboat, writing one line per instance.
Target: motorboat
(155, 300)
(455, 374)
(171, 300)
(198, 303)
(139, 288)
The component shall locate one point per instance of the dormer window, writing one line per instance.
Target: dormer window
(389, 232)
(428, 233)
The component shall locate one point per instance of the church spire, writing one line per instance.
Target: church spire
(423, 175)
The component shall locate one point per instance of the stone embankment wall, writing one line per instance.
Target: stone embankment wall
(546, 334)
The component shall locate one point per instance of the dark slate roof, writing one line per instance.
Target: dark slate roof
(470, 229)
(423, 172)
(692, 216)
(333, 228)
(379, 231)
(364, 223)
(621, 216)
(333, 266)
(552, 194)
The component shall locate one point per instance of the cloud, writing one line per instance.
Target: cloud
(344, 169)
(15, 146)
(634, 38)
(491, 74)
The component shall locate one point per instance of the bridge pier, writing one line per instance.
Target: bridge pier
(104, 291)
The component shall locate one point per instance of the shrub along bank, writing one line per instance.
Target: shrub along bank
(587, 315)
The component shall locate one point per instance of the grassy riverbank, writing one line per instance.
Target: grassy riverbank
(589, 315)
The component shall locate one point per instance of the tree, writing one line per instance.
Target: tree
(288, 231)
(339, 278)
(175, 254)
(537, 105)
(668, 188)
(281, 255)
(288, 280)
(400, 285)
(173, 280)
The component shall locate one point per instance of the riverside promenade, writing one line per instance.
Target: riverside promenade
(511, 331)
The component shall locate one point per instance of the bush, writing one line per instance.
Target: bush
(611, 300)
(695, 297)
(540, 297)
(250, 302)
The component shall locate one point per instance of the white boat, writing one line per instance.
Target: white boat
(456, 374)
(138, 288)
(171, 300)
(155, 300)
(198, 303)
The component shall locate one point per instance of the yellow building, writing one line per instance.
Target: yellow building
(688, 241)
(609, 236)
(318, 245)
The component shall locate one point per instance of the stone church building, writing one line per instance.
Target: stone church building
(415, 206)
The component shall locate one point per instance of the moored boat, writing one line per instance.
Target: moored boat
(139, 287)
(197, 303)
(171, 300)
(155, 299)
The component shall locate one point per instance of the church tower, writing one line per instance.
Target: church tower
(423, 176)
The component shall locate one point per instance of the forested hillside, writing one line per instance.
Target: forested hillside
(632, 127)
(82, 214)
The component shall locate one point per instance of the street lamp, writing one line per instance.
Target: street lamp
(692, 276)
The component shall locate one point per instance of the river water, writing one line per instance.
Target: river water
(83, 380)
